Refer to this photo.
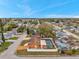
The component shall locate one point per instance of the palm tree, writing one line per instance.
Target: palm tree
(1, 30)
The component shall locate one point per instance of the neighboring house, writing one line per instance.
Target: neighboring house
(61, 45)
(60, 34)
(8, 35)
(77, 30)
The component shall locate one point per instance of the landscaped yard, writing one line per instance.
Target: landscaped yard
(25, 53)
(4, 46)
(13, 38)
(22, 51)
(72, 52)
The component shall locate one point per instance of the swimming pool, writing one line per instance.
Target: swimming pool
(49, 44)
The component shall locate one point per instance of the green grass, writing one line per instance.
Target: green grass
(4, 46)
(14, 38)
(21, 52)
(25, 53)
(72, 52)
(42, 53)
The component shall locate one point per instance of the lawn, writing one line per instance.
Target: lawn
(72, 52)
(4, 46)
(25, 53)
(14, 38)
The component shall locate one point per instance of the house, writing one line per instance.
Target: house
(60, 34)
(38, 44)
(34, 41)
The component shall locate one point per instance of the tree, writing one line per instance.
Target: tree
(10, 26)
(33, 22)
(28, 32)
(46, 31)
(21, 29)
(25, 22)
(1, 28)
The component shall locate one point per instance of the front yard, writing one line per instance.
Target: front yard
(4, 46)
(14, 38)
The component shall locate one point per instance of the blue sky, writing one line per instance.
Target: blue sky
(39, 8)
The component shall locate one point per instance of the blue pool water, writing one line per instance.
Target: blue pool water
(49, 44)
